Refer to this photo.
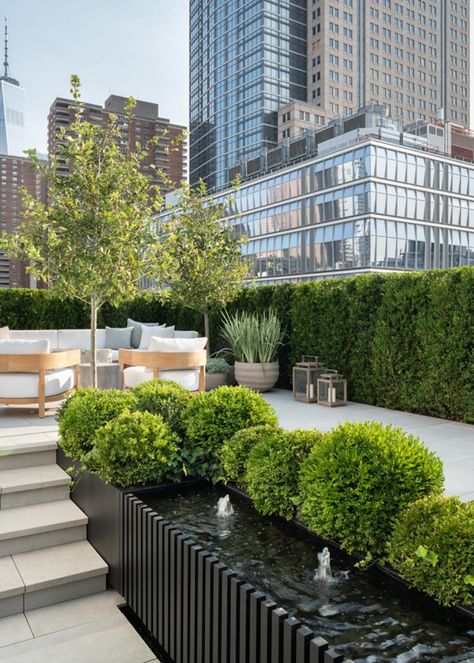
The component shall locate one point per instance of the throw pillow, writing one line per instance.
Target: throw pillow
(116, 338)
(137, 330)
(158, 344)
(4, 333)
(149, 332)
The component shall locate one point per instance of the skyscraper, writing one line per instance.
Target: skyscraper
(12, 111)
(248, 60)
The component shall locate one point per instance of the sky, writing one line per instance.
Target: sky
(133, 48)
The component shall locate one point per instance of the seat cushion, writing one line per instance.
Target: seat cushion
(134, 375)
(25, 385)
(24, 347)
(185, 334)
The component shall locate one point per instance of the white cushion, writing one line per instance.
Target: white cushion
(36, 335)
(24, 347)
(148, 332)
(25, 385)
(79, 339)
(189, 379)
(185, 334)
(177, 344)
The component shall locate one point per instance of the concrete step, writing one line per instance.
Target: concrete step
(27, 454)
(60, 573)
(44, 577)
(40, 526)
(33, 485)
(11, 588)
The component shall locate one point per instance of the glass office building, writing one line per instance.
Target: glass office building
(247, 58)
(370, 206)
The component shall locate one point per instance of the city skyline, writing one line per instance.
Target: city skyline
(133, 43)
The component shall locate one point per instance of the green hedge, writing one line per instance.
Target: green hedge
(404, 341)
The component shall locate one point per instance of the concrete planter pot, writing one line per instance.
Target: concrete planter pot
(260, 377)
(214, 380)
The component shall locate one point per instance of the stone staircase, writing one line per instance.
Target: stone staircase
(45, 557)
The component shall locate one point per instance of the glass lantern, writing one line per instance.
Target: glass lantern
(332, 390)
(305, 379)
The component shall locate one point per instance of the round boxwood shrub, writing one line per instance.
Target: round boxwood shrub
(235, 451)
(432, 546)
(135, 448)
(84, 413)
(165, 398)
(273, 469)
(358, 479)
(214, 416)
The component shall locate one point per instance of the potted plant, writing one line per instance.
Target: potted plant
(254, 342)
(216, 372)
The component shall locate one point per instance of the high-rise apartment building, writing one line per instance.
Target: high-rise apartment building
(12, 111)
(411, 55)
(16, 173)
(248, 58)
(169, 154)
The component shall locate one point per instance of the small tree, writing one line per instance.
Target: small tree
(206, 263)
(96, 238)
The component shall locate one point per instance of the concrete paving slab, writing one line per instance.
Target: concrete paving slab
(14, 629)
(73, 613)
(109, 640)
(451, 440)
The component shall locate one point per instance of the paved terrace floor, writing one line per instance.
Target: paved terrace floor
(452, 441)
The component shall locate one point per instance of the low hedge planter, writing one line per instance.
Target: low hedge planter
(103, 504)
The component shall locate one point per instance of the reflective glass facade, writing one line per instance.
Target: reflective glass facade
(374, 206)
(247, 58)
(12, 118)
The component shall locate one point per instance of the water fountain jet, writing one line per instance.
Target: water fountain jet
(323, 572)
(224, 507)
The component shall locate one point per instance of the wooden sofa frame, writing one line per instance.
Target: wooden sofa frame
(40, 363)
(165, 361)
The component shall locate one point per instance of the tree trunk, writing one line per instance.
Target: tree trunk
(93, 373)
(206, 329)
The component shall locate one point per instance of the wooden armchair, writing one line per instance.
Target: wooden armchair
(161, 364)
(27, 379)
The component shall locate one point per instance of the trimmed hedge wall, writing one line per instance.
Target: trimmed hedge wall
(404, 341)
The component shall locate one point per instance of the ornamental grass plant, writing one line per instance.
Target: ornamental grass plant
(252, 337)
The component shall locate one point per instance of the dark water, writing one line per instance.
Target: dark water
(362, 618)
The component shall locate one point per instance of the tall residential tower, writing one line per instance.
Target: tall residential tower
(247, 59)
